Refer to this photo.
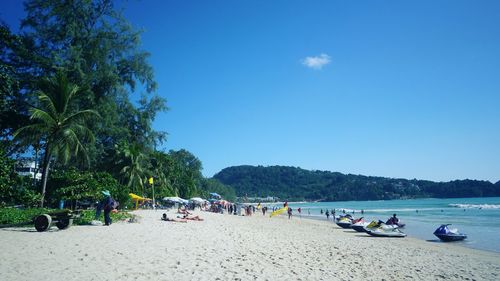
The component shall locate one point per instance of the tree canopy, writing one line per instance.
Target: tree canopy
(298, 184)
(87, 47)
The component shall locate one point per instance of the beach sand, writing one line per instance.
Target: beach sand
(226, 247)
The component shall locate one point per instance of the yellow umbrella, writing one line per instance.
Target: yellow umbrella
(138, 198)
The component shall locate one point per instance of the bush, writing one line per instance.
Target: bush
(13, 215)
(73, 185)
(89, 215)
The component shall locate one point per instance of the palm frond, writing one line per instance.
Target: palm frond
(47, 103)
(30, 134)
(81, 116)
(47, 119)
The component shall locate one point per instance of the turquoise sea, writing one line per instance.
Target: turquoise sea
(479, 218)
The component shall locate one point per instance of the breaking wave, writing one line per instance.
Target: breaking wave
(475, 206)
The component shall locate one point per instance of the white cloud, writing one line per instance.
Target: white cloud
(316, 62)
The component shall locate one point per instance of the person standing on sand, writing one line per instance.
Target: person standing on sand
(107, 205)
(327, 215)
(289, 213)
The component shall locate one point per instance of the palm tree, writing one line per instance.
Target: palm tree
(133, 161)
(160, 163)
(57, 124)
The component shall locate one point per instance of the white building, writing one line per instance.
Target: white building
(28, 167)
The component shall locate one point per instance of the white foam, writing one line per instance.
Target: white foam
(475, 206)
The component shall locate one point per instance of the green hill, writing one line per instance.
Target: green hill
(293, 183)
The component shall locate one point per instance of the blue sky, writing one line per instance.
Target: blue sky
(405, 89)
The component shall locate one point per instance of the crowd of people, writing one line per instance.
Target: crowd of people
(108, 205)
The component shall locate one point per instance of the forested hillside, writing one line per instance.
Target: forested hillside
(292, 183)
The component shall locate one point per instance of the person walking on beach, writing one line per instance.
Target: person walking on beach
(327, 215)
(107, 205)
(289, 213)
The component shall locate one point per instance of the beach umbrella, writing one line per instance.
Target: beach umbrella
(215, 195)
(197, 199)
(222, 202)
(175, 199)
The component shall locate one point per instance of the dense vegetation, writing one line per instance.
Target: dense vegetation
(17, 216)
(298, 184)
(77, 93)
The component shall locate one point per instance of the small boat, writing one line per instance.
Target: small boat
(386, 232)
(359, 225)
(344, 222)
(448, 235)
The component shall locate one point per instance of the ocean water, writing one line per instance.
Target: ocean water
(479, 218)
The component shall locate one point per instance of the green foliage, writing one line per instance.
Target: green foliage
(7, 178)
(100, 51)
(13, 188)
(213, 185)
(74, 55)
(12, 109)
(13, 215)
(160, 163)
(88, 216)
(73, 185)
(57, 123)
(298, 184)
(185, 173)
(132, 162)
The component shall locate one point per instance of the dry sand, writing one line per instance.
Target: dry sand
(225, 247)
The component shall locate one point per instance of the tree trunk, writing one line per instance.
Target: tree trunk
(37, 166)
(46, 164)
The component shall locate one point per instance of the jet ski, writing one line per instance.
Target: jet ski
(448, 235)
(375, 224)
(359, 225)
(398, 224)
(344, 221)
(386, 232)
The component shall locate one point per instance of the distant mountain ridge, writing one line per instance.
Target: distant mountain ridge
(292, 183)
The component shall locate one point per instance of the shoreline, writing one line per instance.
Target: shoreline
(436, 241)
(229, 247)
